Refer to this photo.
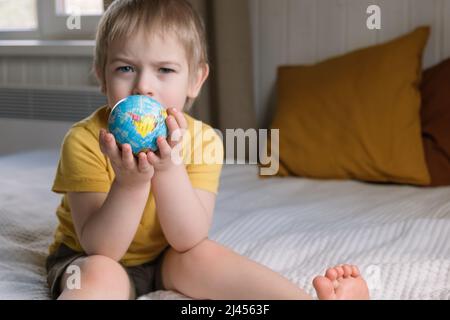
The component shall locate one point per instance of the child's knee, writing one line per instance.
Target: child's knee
(101, 273)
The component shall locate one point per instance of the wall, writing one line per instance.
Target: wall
(21, 70)
(307, 31)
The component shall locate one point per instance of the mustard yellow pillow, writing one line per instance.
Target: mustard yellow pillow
(355, 116)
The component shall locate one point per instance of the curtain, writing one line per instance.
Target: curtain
(226, 100)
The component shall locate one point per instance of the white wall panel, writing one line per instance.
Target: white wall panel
(308, 31)
(46, 71)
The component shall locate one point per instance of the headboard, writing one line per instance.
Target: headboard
(308, 31)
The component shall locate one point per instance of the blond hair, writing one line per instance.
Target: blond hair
(124, 18)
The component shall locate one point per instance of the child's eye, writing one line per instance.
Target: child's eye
(125, 69)
(166, 70)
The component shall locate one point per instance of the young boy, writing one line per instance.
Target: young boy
(133, 226)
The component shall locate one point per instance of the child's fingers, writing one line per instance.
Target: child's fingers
(109, 146)
(176, 137)
(127, 157)
(164, 147)
(179, 117)
(101, 139)
(143, 164)
(172, 124)
(152, 158)
(175, 132)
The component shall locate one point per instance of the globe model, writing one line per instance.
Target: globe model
(139, 121)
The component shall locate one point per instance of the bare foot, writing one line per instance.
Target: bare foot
(342, 282)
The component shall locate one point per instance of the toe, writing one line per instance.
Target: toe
(355, 271)
(347, 270)
(340, 271)
(331, 274)
(324, 288)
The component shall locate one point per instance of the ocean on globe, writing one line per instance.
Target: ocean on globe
(138, 120)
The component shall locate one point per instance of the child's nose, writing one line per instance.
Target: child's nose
(143, 92)
(143, 87)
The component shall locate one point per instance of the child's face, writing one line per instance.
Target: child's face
(155, 66)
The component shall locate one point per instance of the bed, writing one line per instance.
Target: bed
(398, 235)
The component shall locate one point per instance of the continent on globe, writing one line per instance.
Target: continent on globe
(143, 124)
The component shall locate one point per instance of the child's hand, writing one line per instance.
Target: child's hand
(177, 125)
(129, 171)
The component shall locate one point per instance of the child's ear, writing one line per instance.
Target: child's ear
(198, 80)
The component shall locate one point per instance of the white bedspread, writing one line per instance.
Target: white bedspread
(398, 235)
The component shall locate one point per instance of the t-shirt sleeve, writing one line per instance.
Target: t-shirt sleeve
(204, 173)
(82, 166)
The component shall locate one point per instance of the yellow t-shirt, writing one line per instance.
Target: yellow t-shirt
(83, 167)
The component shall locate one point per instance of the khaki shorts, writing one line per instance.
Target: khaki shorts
(144, 278)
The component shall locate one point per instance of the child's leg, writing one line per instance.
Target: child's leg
(101, 278)
(212, 271)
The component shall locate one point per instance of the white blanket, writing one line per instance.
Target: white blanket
(398, 235)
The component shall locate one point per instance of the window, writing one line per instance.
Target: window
(84, 7)
(49, 19)
(18, 15)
